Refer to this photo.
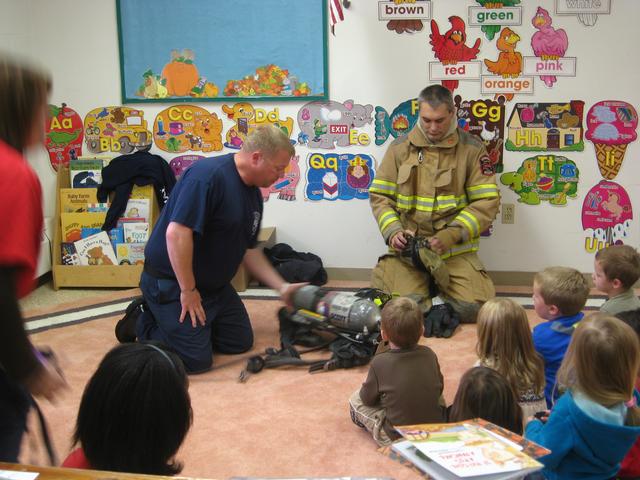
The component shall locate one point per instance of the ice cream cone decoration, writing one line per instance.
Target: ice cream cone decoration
(611, 126)
(610, 159)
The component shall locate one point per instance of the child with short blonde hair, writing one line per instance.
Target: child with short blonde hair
(505, 344)
(595, 422)
(615, 270)
(559, 295)
(404, 385)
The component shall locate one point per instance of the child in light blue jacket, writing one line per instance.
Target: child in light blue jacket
(593, 425)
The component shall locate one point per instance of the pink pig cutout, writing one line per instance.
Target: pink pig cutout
(286, 185)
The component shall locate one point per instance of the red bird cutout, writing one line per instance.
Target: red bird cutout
(450, 48)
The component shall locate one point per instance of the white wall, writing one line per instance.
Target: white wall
(78, 42)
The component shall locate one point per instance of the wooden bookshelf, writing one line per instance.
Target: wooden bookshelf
(91, 276)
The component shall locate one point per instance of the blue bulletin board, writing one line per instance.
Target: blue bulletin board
(219, 50)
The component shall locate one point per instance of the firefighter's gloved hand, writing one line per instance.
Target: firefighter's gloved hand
(418, 253)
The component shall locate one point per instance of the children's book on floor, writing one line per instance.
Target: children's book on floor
(473, 449)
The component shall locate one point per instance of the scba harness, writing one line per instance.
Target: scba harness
(346, 324)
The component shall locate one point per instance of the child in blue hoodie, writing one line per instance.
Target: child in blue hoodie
(593, 425)
(559, 295)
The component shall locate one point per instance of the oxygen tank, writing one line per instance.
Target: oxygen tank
(342, 309)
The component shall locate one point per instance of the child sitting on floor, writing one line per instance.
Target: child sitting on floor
(505, 344)
(559, 295)
(404, 385)
(595, 422)
(484, 393)
(135, 412)
(615, 270)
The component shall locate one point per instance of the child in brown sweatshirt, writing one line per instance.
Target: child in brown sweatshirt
(404, 385)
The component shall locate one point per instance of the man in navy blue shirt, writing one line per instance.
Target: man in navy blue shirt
(208, 227)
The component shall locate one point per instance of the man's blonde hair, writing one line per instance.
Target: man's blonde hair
(621, 262)
(602, 362)
(402, 322)
(505, 344)
(269, 140)
(564, 287)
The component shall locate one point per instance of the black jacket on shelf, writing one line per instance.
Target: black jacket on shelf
(140, 168)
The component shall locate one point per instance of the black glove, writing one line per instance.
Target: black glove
(440, 321)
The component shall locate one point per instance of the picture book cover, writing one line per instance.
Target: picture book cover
(135, 232)
(97, 207)
(116, 235)
(69, 254)
(137, 207)
(123, 220)
(142, 191)
(85, 173)
(463, 450)
(87, 232)
(73, 223)
(76, 199)
(96, 250)
(130, 253)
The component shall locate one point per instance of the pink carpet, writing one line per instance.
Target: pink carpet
(281, 423)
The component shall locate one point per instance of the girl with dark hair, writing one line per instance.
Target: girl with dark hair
(135, 412)
(23, 370)
(484, 393)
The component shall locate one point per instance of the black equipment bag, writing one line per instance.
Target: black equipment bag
(295, 266)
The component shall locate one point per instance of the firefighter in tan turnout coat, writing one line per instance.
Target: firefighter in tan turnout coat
(436, 182)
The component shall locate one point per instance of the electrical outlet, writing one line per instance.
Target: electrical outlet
(508, 213)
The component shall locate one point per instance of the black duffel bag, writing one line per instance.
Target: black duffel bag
(296, 266)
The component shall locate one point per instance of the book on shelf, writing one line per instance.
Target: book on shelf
(87, 232)
(97, 207)
(137, 207)
(85, 173)
(123, 220)
(77, 199)
(116, 235)
(473, 449)
(135, 232)
(130, 253)
(73, 223)
(69, 254)
(96, 250)
(142, 191)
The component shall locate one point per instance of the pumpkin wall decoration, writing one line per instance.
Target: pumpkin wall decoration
(180, 78)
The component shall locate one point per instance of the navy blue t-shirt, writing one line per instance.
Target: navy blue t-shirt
(222, 211)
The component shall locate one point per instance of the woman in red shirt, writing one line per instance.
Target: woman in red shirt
(23, 371)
